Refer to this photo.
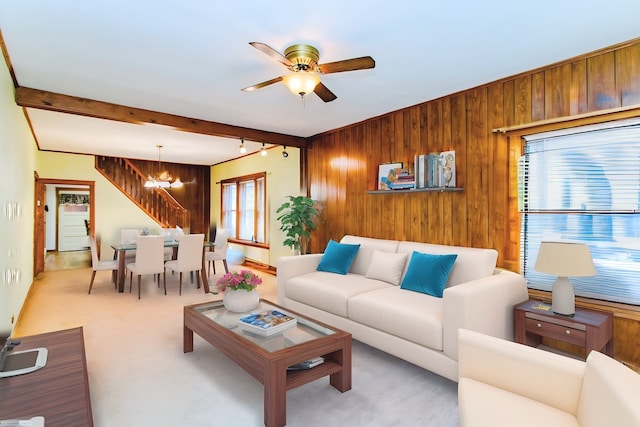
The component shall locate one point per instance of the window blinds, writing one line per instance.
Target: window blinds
(583, 185)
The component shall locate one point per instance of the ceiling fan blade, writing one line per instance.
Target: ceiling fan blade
(324, 93)
(347, 65)
(261, 85)
(268, 50)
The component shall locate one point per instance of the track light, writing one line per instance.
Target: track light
(243, 149)
(263, 150)
(284, 152)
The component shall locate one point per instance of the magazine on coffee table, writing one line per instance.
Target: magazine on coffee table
(266, 323)
(308, 364)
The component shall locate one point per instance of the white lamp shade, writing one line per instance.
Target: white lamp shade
(301, 82)
(565, 259)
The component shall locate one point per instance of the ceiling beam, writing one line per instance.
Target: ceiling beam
(40, 99)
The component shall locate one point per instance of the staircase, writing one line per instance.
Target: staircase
(156, 202)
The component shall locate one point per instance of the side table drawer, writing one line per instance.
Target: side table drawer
(562, 333)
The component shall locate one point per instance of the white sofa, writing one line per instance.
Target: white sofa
(414, 326)
(504, 384)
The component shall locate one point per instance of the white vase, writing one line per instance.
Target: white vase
(240, 300)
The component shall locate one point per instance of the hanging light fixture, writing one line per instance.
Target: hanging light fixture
(243, 149)
(263, 150)
(163, 179)
(301, 82)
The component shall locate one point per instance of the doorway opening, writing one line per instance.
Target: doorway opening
(64, 220)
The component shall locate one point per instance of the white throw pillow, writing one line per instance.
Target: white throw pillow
(386, 266)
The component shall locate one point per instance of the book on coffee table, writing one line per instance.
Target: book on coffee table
(267, 322)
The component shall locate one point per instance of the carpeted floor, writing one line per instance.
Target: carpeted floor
(139, 375)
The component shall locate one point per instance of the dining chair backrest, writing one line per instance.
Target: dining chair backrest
(221, 242)
(190, 252)
(95, 260)
(129, 235)
(150, 255)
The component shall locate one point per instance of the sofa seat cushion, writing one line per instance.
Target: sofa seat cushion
(483, 405)
(410, 315)
(329, 291)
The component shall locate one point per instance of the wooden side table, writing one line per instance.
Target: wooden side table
(589, 329)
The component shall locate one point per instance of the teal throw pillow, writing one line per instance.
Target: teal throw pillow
(428, 273)
(337, 257)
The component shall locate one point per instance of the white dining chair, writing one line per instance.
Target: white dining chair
(128, 236)
(169, 236)
(149, 260)
(189, 256)
(220, 244)
(97, 265)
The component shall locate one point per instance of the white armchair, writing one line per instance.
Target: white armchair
(507, 384)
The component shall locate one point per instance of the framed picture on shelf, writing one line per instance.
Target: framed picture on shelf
(387, 175)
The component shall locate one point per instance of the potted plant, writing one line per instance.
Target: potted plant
(297, 221)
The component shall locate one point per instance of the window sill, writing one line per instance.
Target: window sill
(249, 243)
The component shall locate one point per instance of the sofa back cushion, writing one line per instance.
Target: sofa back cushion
(360, 264)
(471, 263)
(610, 393)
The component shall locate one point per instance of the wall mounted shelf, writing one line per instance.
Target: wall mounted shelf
(418, 190)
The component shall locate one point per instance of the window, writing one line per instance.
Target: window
(583, 185)
(243, 207)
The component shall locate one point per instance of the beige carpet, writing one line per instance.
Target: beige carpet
(139, 375)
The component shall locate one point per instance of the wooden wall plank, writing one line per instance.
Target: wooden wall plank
(601, 82)
(578, 92)
(523, 103)
(627, 65)
(556, 91)
(537, 96)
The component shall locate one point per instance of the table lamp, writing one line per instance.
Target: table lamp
(564, 259)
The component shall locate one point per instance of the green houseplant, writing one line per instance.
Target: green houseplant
(296, 219)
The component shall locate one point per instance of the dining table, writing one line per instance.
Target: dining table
(120, 251)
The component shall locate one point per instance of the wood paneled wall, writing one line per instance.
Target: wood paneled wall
(343, 164)
(193, 196)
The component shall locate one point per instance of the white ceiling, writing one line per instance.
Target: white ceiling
(191, 58)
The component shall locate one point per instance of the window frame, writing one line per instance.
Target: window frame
(260, 209)
(519, 134)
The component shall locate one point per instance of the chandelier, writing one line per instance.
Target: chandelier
(163, 179)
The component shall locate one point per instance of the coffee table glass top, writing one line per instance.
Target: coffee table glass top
(305, 329)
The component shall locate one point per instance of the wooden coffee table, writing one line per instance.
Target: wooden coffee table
(267, 358)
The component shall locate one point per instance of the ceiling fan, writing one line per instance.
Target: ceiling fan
(302, 61)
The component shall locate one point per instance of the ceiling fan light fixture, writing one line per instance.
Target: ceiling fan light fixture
(301, 82)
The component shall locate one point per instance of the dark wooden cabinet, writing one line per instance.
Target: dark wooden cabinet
(59, 391)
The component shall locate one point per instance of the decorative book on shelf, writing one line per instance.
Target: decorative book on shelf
(307, 364)
(435, 170)
(266, 323)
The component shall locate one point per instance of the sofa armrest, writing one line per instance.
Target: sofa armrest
(484, 305)
(292, 266)
(536, 374)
